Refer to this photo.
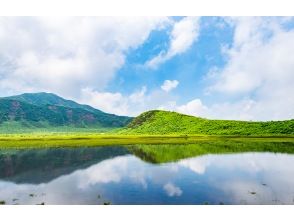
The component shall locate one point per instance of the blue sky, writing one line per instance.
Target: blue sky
(189, 68)
(213, 67)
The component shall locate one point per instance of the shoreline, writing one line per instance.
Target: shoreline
(45, 140)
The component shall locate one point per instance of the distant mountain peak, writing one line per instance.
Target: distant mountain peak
(41, 108)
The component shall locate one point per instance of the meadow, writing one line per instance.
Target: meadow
(79, 139)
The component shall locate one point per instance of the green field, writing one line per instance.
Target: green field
(152, 127)
(80, 139)
(14, 127)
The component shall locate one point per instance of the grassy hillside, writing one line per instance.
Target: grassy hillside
(47, 111)
(164, 122)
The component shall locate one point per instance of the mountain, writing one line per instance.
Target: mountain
(43, 99)
(164, 122)
(41, 110)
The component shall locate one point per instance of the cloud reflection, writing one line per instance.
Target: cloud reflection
(249, 178)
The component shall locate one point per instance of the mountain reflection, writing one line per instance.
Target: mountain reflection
(43, 165)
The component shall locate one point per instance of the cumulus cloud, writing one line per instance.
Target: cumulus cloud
(259, 71)
(169, 85)
(67, 54)
(184, 33)
(76, 57)
(194, 107)
(244, 109)
(125, 104)
(197, 165)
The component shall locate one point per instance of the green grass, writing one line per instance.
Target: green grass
(15, 127)
(164, 122)
(73, 139)
(153, 127)
(88, 139)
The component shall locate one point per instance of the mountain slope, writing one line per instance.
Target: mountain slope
(48, 110)
(43, 99)
(164, 122)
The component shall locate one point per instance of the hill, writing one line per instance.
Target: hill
(164, 122)
(46, 110)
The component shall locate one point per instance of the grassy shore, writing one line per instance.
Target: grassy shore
(89, 139)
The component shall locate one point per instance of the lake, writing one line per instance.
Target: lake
(200, 173)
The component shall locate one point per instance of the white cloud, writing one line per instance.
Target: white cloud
(67, 54)
(76, 57)
(172, 190)
(106, 101)
(110, 170)
(197, 165)
(244, 109)
(117, 103)
(185, 32)
(194, 107)
(169, 85)
(259, 70)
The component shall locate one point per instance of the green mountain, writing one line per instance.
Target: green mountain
(44, 110)
(43, 99)
(164, 122)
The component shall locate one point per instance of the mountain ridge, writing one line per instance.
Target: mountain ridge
(47, 109)
(45, 98)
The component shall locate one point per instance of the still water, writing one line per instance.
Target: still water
(148, 175)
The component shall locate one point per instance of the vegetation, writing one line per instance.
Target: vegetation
(170, 153)
(41, 140)
(46, 113)
(164, 122)
(15, 127)
(36, 140)
(45, 110)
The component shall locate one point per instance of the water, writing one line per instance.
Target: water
(148, 174)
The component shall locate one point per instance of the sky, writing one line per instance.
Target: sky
(238, 68)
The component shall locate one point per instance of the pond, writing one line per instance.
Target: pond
(200, 173)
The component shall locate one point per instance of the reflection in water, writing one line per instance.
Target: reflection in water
(43, 165)
(113, 174)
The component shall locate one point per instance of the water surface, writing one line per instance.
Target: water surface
(211, 173)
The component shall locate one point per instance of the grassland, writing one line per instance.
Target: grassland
(80, 139)
(164, 122)
(153, 127)
(15, 127)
